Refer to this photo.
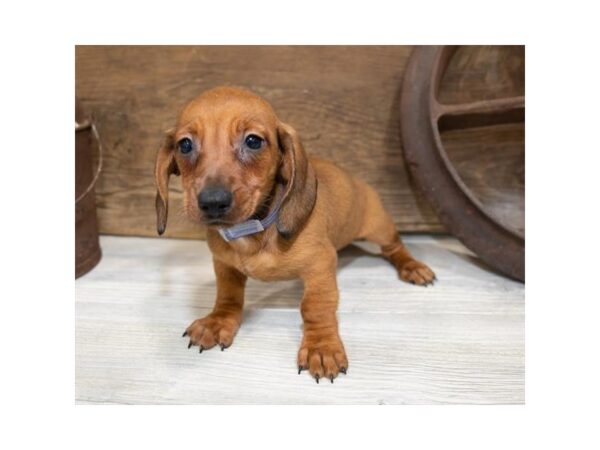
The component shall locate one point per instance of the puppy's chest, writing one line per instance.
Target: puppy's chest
(262, 265)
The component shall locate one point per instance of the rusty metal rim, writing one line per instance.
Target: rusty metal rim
(457, 207)
(81, 126)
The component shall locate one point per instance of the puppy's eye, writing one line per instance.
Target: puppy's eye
(185, 145)
(254, 142)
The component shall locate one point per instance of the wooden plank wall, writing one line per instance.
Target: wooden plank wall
(343, 100)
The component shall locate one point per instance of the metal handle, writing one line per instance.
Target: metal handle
(82, 126)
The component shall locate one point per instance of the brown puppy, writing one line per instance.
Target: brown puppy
(239, 162)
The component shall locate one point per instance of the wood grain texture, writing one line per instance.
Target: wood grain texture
(484, 72)
(459, 342)
(343, 100)
(491, 162)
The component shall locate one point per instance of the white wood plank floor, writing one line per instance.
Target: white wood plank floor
(461, 341)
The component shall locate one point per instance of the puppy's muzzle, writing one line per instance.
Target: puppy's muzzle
(215, 202)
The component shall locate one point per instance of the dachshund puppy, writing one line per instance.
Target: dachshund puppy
(272, 213)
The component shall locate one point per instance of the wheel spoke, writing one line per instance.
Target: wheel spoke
(480, 113)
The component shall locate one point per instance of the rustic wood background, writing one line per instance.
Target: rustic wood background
(343, 100)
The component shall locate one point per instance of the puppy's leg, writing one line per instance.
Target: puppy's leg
(378, 227)
(321, 351)
(221, 325)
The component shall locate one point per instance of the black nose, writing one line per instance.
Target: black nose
(214, 201)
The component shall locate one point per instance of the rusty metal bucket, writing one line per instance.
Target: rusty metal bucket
(87, 246)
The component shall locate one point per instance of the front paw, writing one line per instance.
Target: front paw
(216, 328)
(416, 272)
(323, 356)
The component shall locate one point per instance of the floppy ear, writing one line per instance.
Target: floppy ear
(165, 166)
(301, 192)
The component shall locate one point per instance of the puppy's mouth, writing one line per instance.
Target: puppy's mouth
(217, 222)
(196, 216)
(228, 219)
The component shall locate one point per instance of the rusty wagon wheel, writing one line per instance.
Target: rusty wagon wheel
(423, 118)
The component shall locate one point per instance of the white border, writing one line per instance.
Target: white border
(562, 223)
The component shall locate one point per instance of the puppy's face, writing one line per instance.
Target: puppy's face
(225, 146)
(231, 150)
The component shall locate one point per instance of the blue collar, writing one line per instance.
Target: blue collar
(250, 226)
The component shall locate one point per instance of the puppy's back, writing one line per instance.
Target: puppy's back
(341, 199)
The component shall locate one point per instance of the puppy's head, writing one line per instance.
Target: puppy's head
(231, 152)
